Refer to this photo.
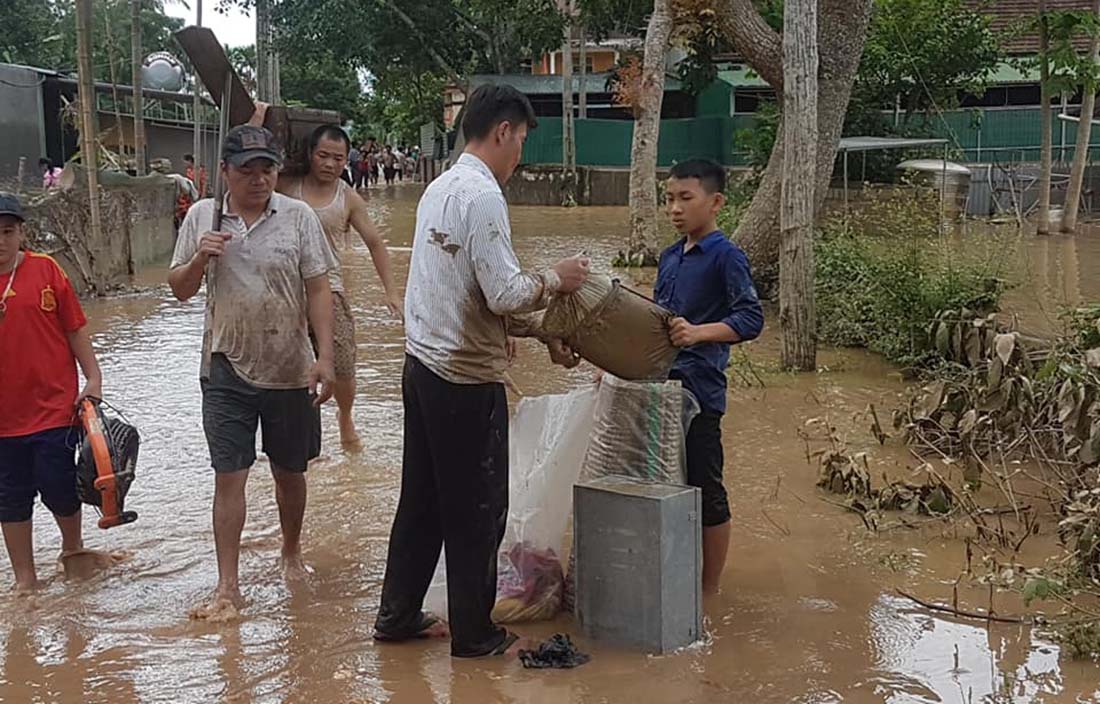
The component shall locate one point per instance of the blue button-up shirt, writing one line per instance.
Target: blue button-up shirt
(710, 283)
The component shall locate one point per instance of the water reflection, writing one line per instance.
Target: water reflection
(804, 616)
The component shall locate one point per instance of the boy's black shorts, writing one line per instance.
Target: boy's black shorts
(705, 461)
(231, 409)
(42, 463)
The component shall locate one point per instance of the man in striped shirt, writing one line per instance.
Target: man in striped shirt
(465, 295)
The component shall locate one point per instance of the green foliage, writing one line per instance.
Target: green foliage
(46, 35)
(925, 52)
(885, 276)
(757, 141)
(1068, 69)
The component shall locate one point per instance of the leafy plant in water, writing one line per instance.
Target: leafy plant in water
(883, 275)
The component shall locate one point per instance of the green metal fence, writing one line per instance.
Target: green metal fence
(1001, 134)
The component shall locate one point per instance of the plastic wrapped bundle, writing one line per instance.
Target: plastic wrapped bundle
(615, 328)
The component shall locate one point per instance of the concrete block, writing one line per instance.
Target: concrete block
(639, 560)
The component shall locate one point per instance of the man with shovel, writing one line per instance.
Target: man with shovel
(266, 271)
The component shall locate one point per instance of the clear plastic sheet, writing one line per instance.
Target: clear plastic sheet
(548, 441)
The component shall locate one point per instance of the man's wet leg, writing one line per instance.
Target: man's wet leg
(344, 391)
(290, 494)
(229, 515)
(716, 542)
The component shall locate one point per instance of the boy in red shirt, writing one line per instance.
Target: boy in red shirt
(42, 338)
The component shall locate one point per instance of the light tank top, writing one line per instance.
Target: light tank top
(334, 221)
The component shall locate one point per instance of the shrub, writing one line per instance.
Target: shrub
(884, 275)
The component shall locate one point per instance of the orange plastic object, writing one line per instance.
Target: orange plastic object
(105, 482)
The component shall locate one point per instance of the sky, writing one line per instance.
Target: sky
(237, 28)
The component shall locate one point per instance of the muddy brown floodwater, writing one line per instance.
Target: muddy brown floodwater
(808, 610)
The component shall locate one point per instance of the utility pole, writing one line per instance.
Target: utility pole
(86, 88)
(140, 157)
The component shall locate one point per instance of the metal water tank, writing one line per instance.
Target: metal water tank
(162, 71)
(936, 173)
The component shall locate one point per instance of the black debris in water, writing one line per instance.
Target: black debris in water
(558, 652)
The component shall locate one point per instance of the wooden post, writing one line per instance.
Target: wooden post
(1084, 136)
(196, 108)
(796, 254)
(1046, 157)
(140, 156)
(86, 86)
(582, 97)
(112, 68)
(568, 134)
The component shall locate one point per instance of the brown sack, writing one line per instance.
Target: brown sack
(617, 329)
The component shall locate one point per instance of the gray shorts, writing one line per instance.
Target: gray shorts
(232, 408)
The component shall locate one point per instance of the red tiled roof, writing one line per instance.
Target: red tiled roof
(1009, 15)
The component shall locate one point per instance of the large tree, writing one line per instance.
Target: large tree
(797, 316)
(842, 30)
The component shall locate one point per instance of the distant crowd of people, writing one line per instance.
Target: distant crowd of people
(371, 159)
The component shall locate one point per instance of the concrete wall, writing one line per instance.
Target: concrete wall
(21, 132)
(138, 229)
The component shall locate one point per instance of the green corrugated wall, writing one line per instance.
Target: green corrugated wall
(1006, 134)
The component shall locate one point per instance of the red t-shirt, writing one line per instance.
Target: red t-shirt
(37, 368)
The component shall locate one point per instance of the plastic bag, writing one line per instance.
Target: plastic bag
(548, 442)
(615, 328)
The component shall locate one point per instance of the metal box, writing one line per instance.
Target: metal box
(639, 558)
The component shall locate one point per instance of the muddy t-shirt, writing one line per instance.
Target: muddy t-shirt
(256, 306)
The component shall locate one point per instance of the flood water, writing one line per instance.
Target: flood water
(808, 610)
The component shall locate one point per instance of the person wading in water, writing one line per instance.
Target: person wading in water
(466, 295)
(266, 275)
(340, 208)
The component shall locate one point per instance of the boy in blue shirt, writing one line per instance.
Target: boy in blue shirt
(705, 279)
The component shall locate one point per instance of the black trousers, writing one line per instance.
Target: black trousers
(454, 492)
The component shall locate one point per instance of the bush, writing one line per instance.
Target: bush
(883, 276)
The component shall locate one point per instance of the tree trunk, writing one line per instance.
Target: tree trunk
(1084, 135)
(842, 30)
(796, 255)
(267, 60)
(86, 91)
(644, 243)
(196, 112)
(140, 157)
(1045, 124)
(568, 134)
(582, 95)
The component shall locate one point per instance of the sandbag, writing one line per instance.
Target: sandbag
(617, 329)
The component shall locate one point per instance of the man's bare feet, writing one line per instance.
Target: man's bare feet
(349, 437)
(294, 568)
(85, 563)
(27, 589)
(223, 606)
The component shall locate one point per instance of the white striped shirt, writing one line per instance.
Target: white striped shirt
(466, 290)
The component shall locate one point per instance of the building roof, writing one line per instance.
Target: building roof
(103, 87)
(1010, 16)
(534, 84)
(743, 77)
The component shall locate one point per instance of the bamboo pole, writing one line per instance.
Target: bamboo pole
(140, 156)
(112, 67)
(1046, 156)
(87, 116)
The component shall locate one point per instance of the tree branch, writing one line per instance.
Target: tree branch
(761, 45)
(439, 60)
